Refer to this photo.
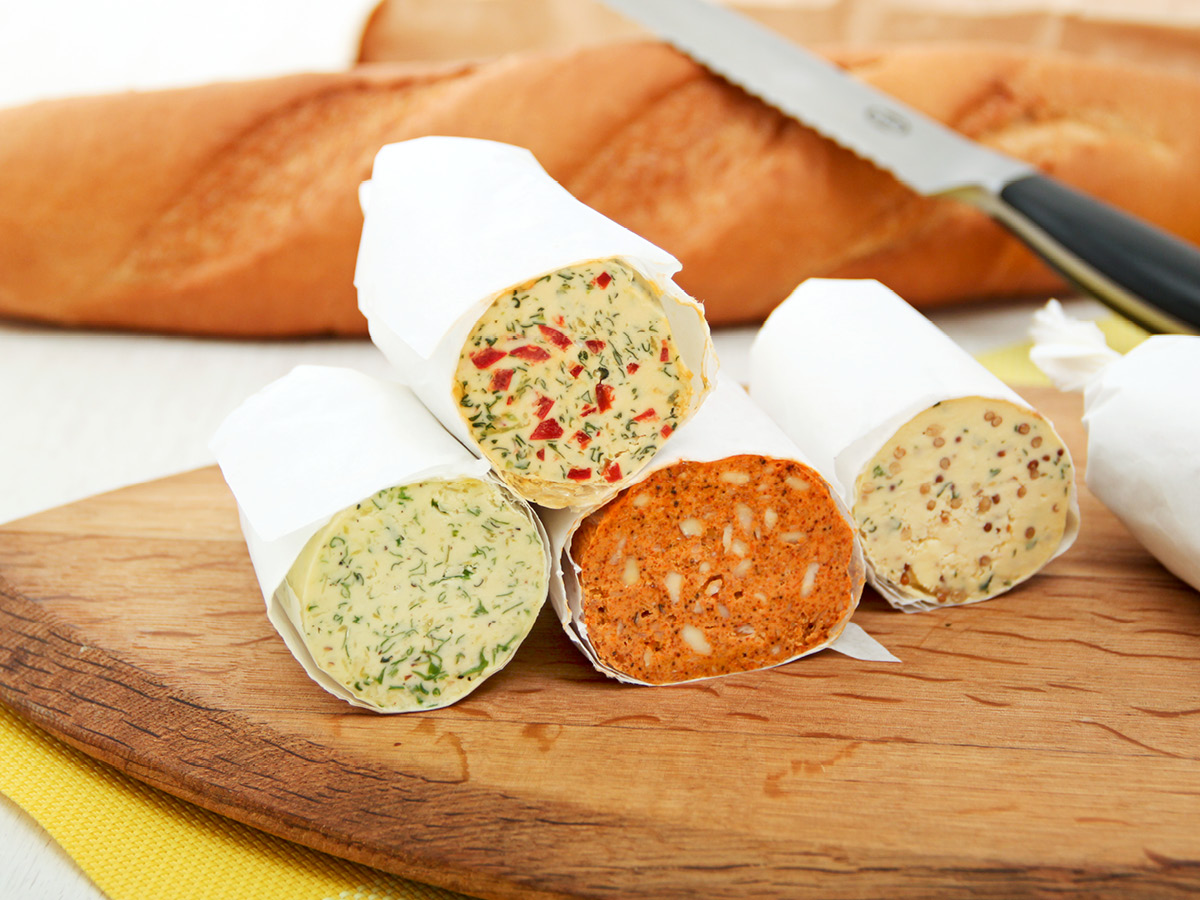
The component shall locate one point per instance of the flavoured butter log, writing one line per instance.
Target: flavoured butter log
(728, 553)
(543, 335)
(959, 489)
(1142, 416)
(400, 573)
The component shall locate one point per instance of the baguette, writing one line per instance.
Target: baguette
(1160, 33)
(231, 209)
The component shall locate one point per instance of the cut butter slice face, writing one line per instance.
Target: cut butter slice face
(411, 598)
(571, 382)
(710, 568)
(967, 499)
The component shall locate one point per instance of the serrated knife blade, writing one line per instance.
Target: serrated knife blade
(1144, 273)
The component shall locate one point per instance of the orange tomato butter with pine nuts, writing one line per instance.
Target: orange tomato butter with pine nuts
(572, 382)
(967, 499)
(709, 568)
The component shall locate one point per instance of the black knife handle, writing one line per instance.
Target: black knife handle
(1144, 271)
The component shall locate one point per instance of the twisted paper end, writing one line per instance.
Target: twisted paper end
(1071, 352)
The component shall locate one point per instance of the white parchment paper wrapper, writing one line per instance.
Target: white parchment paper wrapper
(1141, 412)
(841, 365)
(729, 424)
(311, 444)
(450, 224)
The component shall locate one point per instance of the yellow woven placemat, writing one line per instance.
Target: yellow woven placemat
(137, 842)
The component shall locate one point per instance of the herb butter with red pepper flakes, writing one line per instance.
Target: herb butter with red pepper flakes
(570, 383)
(967, 499)
(411, 598)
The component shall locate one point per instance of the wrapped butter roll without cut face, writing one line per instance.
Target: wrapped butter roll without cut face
(959, 489)
(399, 572)
(540, 333)
(729, 553)
(1141, 412)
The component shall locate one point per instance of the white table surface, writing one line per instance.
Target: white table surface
(82, 413)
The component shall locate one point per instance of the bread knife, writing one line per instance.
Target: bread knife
(1141, 271)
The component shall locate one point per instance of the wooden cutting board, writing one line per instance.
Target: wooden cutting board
(1046, 742)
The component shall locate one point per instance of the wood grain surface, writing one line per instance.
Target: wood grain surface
(1043, 743)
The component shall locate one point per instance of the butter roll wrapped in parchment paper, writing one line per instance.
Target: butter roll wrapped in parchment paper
(727, 553)
(398, 570)
(1141, 412)
(959, 488)
(540, 333)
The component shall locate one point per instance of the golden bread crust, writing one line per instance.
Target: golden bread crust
(232, 209)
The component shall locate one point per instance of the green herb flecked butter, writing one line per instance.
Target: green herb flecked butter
(411, 598)
(572, 382)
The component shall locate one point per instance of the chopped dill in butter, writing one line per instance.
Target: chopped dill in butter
(411, 598)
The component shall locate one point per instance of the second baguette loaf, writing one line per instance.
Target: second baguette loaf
(232, 209)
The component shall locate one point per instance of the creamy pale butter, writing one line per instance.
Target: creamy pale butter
(967, 499)
(572, 381)
(411, 598)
